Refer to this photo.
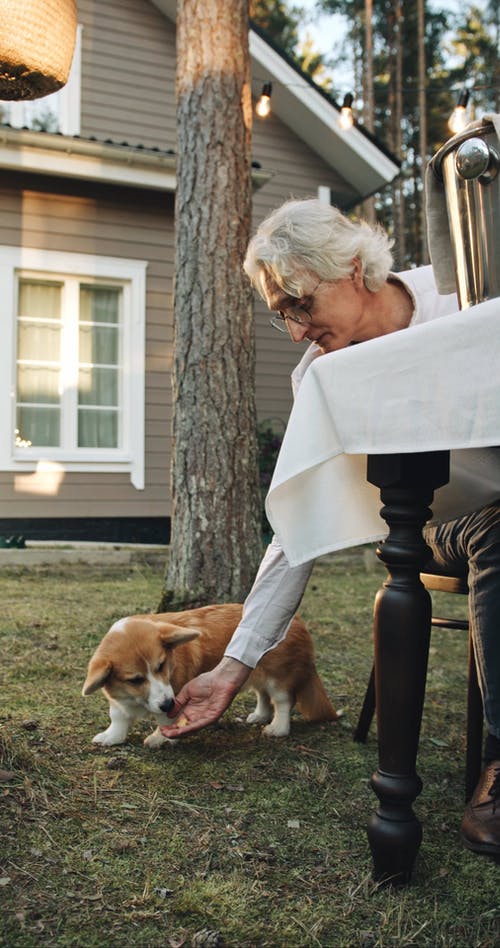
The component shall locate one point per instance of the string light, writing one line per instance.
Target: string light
(458, 118)
(346, 118)
(263, 107)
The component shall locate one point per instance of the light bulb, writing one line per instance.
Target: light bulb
(263, 107)
(346, 118)
(458, 118)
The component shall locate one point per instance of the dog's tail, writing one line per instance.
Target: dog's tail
(313, 701)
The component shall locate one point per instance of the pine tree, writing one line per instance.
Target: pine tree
(216, 542)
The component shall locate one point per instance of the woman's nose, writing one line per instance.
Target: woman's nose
(297, 331)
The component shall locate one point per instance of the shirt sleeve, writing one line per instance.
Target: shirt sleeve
(270, 606)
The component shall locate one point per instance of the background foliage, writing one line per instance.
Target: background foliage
(414, 88)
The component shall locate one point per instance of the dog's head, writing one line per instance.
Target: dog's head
(133, 663)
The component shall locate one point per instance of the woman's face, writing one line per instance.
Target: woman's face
(333, 311)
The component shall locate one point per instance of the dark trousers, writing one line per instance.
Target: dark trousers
(470, 546)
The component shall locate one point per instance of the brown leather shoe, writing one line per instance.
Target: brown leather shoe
(481, 822)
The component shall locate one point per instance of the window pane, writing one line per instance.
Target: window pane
(38, 362)
(98, 386)
(38, 341)
(99, 344)
(37, 384)
(42, 115)
(40, 300)
(40, 426)
(97, 429)
(99, 367)
(99, 304)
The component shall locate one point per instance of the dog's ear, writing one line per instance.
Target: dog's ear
(98, 673)
(172, 635)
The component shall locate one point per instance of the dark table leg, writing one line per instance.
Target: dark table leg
(402, 623)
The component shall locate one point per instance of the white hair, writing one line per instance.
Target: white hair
(308, 240)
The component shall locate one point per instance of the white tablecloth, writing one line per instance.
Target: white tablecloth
(430, 387)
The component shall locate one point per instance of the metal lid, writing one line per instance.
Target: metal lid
(473, 130)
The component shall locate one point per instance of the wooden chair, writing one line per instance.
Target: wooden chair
(435, 582)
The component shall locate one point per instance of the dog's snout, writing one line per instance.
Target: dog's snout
(167, 705)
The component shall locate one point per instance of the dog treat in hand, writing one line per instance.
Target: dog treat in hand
(183, 721)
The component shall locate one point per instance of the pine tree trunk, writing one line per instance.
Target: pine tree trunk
(400, 226)
(369, 108)
(216, 542)
(422, 108)
(496, 77)
(368, 206)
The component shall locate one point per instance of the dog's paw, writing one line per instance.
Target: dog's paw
(276, 730)
(156, 739)
(256, 717)
(108, 739)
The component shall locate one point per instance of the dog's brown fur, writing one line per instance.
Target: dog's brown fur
(157, 654)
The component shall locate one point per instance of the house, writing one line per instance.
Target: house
(87, 185)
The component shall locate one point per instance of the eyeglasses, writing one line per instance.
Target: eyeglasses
(297, 314)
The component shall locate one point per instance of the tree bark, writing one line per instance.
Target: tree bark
(398, 187)
(368, 98)
(422, 108)
(216, 542)
(369, 108)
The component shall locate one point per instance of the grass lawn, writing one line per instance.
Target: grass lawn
(261, 842)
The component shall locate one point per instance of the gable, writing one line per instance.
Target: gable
(313, 118)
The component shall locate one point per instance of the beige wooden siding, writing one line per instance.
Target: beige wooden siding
(128, 72)
(131, 96)
(297, 173)
(128, 95)
(118, 223)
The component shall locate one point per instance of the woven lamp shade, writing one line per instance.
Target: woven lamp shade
(37, 42)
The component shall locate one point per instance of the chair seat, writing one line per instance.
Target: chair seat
(440, 582)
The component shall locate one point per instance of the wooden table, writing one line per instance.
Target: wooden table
(386, 400)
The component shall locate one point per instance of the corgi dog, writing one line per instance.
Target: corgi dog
(144, 660)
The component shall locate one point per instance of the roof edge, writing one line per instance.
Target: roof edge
(120, 163)
(322, 92)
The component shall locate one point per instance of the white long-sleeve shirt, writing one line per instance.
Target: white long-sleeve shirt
(278, 588)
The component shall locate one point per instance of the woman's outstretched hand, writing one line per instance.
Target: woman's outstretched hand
(203, 699)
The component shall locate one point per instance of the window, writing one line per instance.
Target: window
(91, 335)
(59, 112)
(77, 375)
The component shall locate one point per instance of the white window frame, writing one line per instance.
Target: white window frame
(66, 103)
(130, 275)
(324, 194)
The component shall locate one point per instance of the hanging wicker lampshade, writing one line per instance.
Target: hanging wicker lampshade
(37, 42)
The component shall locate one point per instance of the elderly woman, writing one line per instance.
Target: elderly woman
(327, 280)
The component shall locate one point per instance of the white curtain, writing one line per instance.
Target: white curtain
(98, 376)
(39, 363)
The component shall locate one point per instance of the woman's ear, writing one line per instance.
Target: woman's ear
(357, 272)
